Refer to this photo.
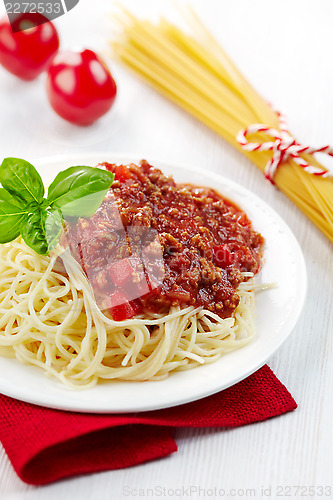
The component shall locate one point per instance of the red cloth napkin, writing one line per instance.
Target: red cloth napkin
(45, 445)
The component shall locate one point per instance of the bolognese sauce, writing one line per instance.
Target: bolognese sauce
(154, 244)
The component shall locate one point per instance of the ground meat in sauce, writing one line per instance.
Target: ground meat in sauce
(186, 226)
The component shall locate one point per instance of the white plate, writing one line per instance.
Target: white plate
(277, 311)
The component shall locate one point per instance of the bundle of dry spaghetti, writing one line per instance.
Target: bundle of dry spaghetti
(195, 73)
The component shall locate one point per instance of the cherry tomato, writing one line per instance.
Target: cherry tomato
(80, 87)
(27, 53)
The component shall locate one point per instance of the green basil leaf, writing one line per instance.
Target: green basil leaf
(10, 204)
(79, 191)
(10, 228)
(53, 226)
(11, 214)
(41, 229)
(21, 179)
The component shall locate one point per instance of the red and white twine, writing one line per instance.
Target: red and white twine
(284, 146)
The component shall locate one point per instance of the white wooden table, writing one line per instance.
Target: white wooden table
(285, 49)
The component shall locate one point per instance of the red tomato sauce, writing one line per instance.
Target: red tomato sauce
(154, 244)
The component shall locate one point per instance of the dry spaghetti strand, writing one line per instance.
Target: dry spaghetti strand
(196, 74)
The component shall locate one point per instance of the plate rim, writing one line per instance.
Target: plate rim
(68, 405)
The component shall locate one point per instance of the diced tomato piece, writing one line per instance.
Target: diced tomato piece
(137, 305)
(154, 284)
(142, 288)
(243, 220)
(121, 308)
(137, 289)
(121, 271)
(222, 256)
(122, 173)
(129, 275)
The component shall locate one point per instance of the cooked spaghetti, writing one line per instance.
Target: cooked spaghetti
(60, 312)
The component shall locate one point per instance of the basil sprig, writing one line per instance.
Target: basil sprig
(75, 192)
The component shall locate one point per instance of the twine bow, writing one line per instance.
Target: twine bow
(284, 146)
